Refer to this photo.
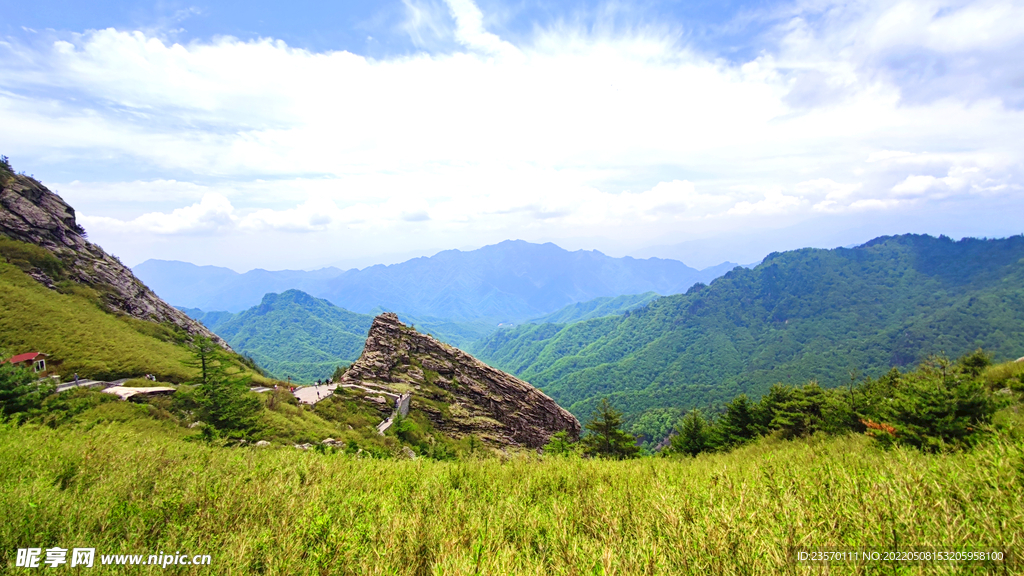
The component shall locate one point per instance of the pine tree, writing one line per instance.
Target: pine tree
(767, 409)
(941, 406)
(207, 358)
(800, 413)
(224, 400)
(737, 424)
(560, 444)
(606, 437)
(693, 434)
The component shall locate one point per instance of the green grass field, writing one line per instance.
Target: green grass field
(90, 341)
(82, 337)
(134, 487)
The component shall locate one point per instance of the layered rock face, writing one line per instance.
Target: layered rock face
(460, 394)
(31, 213)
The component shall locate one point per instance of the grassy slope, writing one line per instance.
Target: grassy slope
(90, 341)
(281, 511)
(801, 315)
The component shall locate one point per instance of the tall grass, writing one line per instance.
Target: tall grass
(136, 488)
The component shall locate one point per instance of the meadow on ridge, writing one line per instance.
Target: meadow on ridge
(136, 488)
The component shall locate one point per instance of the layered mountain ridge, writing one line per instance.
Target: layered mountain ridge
(511, 281)
(802, 315)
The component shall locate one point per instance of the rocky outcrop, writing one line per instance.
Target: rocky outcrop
(460, 394)
(31, 213)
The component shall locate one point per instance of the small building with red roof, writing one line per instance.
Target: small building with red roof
(34, 361)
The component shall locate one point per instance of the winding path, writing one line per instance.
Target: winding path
(313, 394)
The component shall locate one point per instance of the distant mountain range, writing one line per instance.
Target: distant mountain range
(803, 315)
(512, 281)
(295, 335)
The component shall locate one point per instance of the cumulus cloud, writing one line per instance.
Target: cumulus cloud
(213, 213)
(873, 105)
(469, 29)
(956, 180)
(312, 215)
(929, 49)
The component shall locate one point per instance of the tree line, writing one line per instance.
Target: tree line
(941, 405)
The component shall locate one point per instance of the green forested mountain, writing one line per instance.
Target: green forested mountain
(295, 335)
(596, 308)
(802, 315)
(211, 320)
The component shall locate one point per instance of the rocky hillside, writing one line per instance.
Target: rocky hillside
(459, 394)
(29, 212)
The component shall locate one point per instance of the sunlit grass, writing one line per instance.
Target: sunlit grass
(126, 489)
(84, 338)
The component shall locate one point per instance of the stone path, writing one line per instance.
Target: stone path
(401, 408)
(383, 426)
(82, 383)
(313, 394)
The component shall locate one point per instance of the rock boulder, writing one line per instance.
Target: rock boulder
(461, 395)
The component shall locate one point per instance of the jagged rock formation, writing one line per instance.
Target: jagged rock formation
(29, 212)
(460, 394)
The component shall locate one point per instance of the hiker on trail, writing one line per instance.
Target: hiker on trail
(76, 378)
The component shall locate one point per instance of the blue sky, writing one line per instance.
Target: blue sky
(378, 28)
(301, 134)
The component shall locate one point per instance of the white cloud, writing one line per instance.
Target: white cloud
(827, 187)
(956, 180)
(948, 27)
(836, 196)
(211, 214)
(312, 215)
(929, 49)
(775, 202)
(137, 191)
(469, 29)
(573, 132)
(874, 204)
(890, 155)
